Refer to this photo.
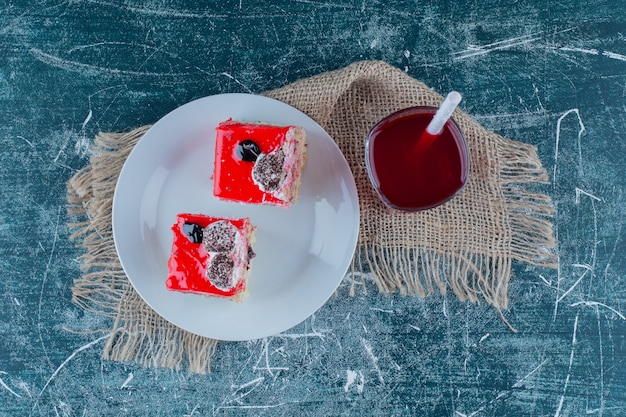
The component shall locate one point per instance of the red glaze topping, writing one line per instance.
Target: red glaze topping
(188, 262)
(232, 175)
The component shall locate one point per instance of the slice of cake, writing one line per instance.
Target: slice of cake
(211, 255)
(259, 163)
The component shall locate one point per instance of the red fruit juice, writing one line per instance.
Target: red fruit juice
(411, 172)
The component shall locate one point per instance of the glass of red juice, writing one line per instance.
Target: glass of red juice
(410, 172)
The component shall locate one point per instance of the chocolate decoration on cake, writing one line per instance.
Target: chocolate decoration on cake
(248, 150)
(193, 231)
(220, 271)
(268, 169)
(219, 237)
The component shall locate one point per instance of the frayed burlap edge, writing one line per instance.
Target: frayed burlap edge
(472, 276)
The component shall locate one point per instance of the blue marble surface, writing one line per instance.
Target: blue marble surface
(552, 74)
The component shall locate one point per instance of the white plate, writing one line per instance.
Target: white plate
(303, 252)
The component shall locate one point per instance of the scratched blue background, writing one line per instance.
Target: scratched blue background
(548, 73)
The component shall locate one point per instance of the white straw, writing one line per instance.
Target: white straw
(443, 113)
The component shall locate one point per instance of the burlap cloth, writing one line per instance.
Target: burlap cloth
(467, 245)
